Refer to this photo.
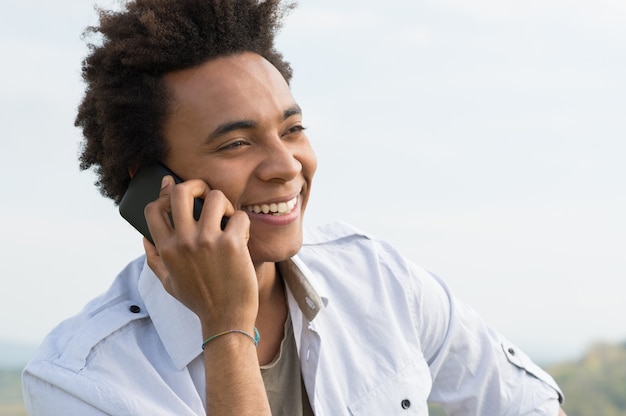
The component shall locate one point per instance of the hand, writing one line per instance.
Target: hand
(206, 268)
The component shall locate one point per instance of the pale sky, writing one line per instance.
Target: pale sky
(485, 139)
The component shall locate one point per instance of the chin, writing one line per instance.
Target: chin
(274, 244)
(273, 253)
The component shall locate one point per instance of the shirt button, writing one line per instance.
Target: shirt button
(406, 403)
(135, 309)
(511, 351)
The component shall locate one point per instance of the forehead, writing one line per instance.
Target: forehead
(230, 86)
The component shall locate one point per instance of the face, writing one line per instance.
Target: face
(234, 123)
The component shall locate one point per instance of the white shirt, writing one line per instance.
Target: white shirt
(376, 335)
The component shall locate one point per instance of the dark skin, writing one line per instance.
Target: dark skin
(235, 127)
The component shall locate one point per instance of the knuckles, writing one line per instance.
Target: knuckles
(151, 208)
(189, 244)
(181, 191)
(214, 196)
(202, 243)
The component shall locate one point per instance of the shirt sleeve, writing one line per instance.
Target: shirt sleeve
(42, 398)
(475, 370)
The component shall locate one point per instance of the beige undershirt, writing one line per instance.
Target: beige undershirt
(283, 380)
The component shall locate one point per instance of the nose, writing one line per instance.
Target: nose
(279, 162)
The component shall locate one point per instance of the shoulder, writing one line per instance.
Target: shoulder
(329, 233)
(346, 243)
(341, 234)
(339, 249)
(71, 342)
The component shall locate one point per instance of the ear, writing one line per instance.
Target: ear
(133, 169)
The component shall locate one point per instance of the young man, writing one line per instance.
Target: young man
(347, 326)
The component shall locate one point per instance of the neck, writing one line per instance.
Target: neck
(268, 279)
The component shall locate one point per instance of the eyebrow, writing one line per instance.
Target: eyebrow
(248, 124)
(292, 111)
(231, 126)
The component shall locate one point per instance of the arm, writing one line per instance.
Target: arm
(475, 370)
(43, 398)
(210, 272)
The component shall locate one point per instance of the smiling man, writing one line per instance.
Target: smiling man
(250, 317)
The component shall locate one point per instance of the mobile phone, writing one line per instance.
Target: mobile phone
(144, 188)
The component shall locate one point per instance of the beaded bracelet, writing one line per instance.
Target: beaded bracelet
(255, 339)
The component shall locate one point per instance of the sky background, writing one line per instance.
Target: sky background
(485, 139)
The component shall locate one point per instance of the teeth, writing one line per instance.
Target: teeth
(280, 208)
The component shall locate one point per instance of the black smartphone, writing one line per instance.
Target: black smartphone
(144, 188)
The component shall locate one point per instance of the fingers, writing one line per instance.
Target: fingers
(157, 213)
(214, 209)
(172, 212)
(215, 206)
(239, 224)
(182, 205)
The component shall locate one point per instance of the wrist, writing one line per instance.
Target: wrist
(254, 336)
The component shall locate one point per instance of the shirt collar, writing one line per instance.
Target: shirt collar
(179, 328)
(300, 281)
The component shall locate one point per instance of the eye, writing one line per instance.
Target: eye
(295, 129)
(234, 145)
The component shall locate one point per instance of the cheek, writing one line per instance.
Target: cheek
(309, 166)
(218, 176)
(232, 185)
(309, 161)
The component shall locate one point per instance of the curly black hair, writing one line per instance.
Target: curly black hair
(125, 102)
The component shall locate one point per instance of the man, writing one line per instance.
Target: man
(244, 318)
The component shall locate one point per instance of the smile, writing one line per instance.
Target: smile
(280, 208)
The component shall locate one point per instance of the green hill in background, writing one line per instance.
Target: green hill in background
(595, 385)
(11, 392)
